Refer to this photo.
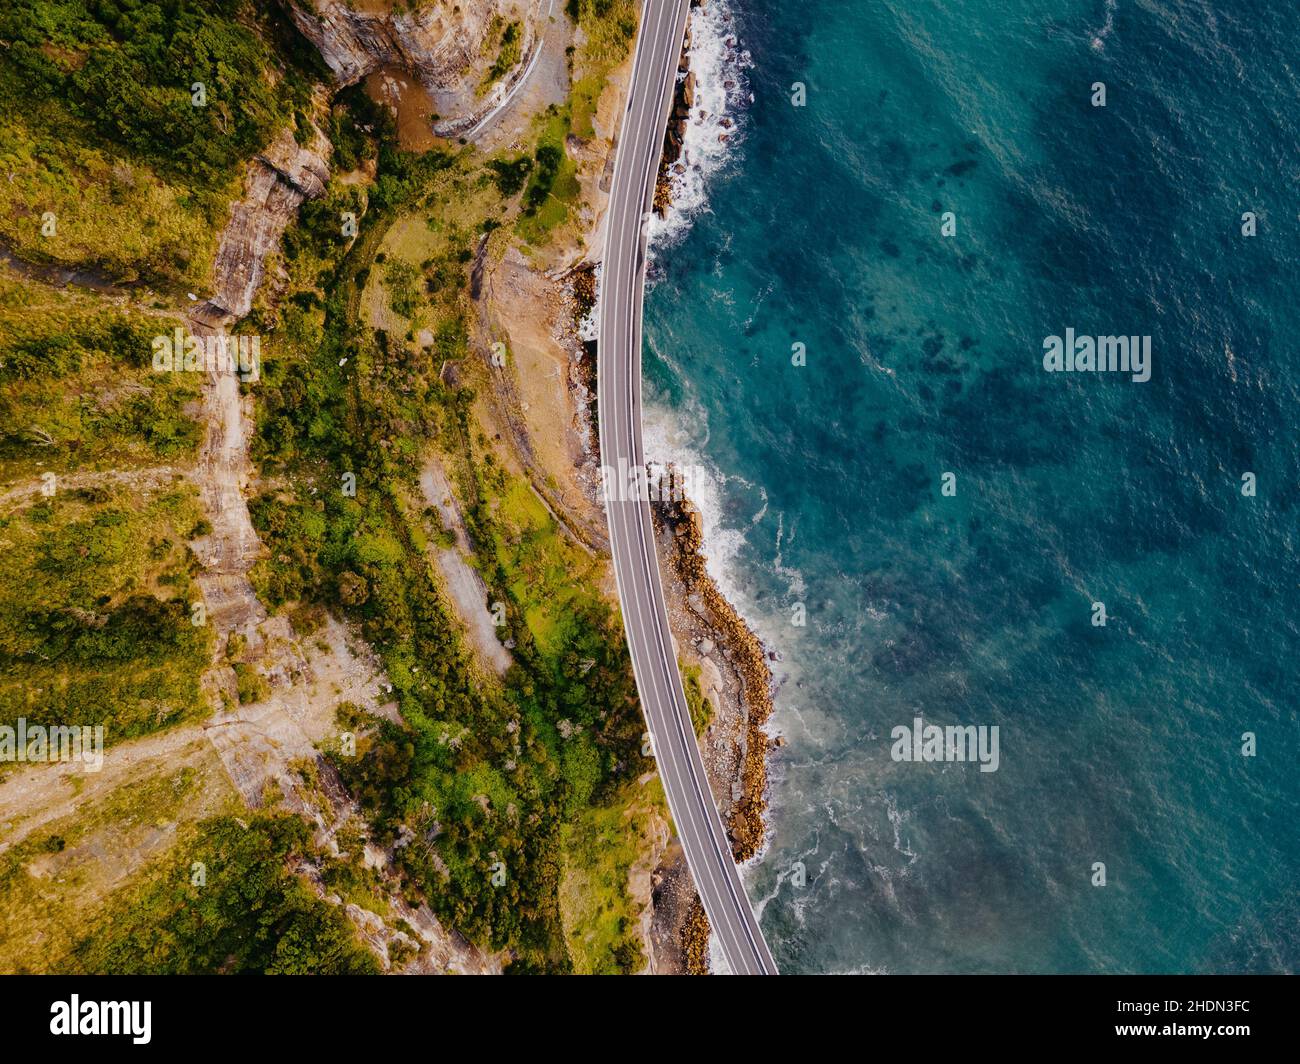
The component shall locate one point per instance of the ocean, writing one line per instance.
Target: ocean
(945, 515)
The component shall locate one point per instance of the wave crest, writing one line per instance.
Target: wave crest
(714, 126)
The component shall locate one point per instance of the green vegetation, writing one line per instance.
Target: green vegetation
(609, 27)
(53, 882)
(250, 684)
(127, 68)
(95, 624)
(244, 910)
(601, 846)
(77, 387)
(509, 50)
(128, 122)
(514, 798)
(585, 100)
(401, 278)
(350, 877)
(117, 170)
(352, 113)
(484, 775)
(509, 175)
(701, 708)
(553, 183)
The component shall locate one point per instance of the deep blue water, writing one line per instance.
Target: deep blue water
(1119, 744)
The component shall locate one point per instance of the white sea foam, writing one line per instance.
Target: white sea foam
(589, 323)
(713, 130)
(760, 904)
(862, 969)
(667, 442)
(714, 127)
(793, 577)
(897, 820)
(1099, 38)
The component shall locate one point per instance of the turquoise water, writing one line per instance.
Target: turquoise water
(1119, 744)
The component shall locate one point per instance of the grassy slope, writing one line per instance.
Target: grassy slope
(112, 160)
(77, 390)
(95, 623)
(228, 900)
(110, 167)
(53, 883)
(602, 846)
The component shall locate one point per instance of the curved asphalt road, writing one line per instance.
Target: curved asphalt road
(636, 567)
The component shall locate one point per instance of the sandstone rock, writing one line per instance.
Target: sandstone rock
(278, 180)
(441, 43)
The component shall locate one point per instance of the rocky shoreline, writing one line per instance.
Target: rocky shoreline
(698, 113)
(720, 637)
(695, 939)
(712, 640)
(729, 661)
(735, 678)
(678, 117)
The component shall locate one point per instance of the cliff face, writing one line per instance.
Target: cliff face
(278, 180)
(440, 42)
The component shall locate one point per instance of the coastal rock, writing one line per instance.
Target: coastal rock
(695, 939)
(679, 117)
(745, 653)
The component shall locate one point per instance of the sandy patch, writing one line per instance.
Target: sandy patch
(462, 583)
(411, 104)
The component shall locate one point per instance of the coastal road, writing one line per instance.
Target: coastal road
(636, 566)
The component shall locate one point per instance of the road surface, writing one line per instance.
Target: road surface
(636, 566)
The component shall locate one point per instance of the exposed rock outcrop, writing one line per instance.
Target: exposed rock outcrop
(278, 180)
(445, 44)
(695, 939)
